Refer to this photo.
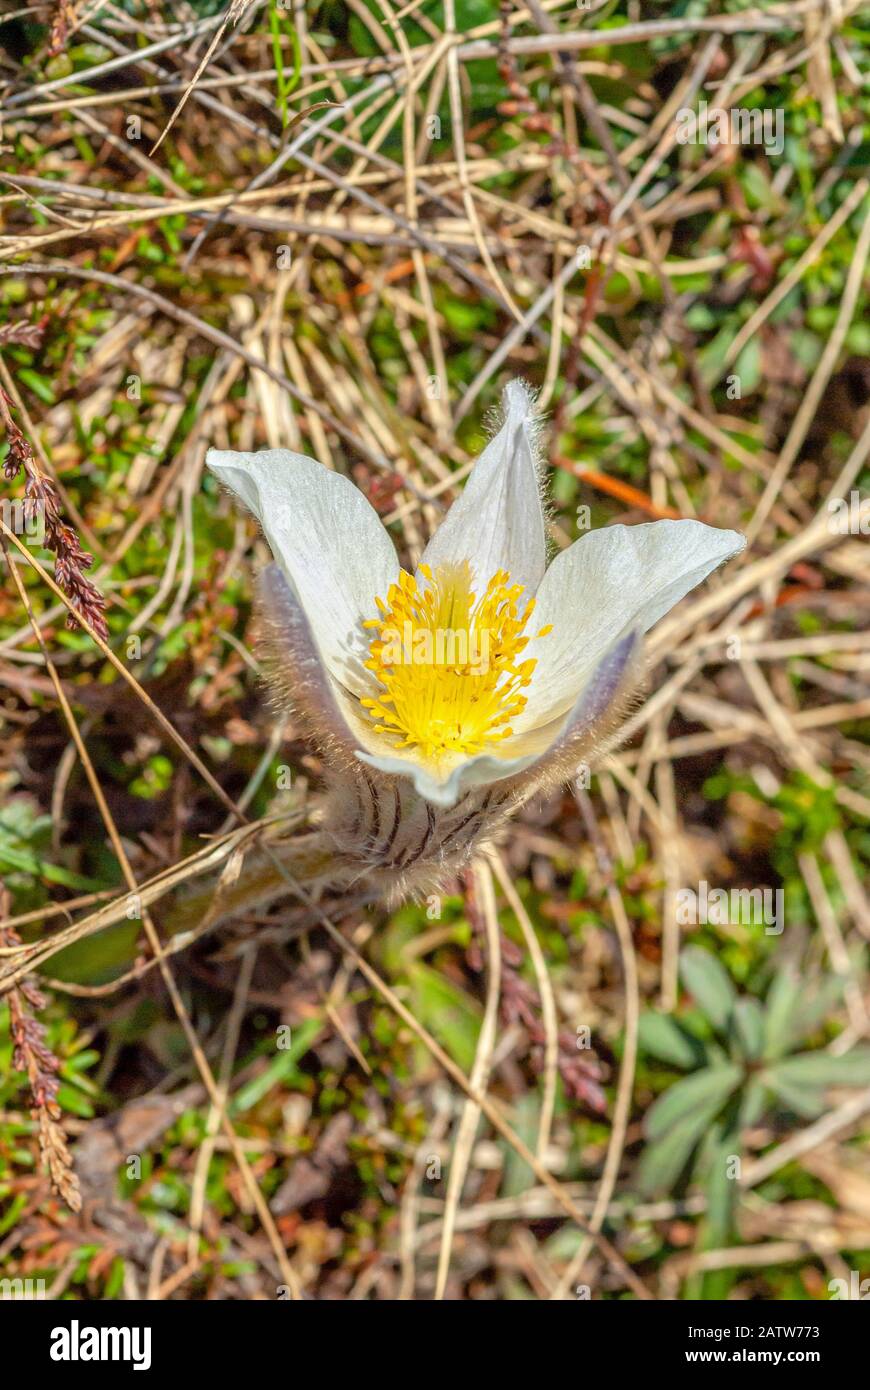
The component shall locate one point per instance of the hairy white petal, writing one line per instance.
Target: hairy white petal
(594, 713)
(295, 667)
(329, 542)
(497, 522)
(611, 581)
(478, 771)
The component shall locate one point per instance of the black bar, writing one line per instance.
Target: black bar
(628, 1336)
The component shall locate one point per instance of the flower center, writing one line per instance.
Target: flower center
(449, 661)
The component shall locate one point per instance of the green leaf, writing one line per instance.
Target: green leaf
(779, 1013)
(517, 1176)
(749, 1027)
(38, 384)
(711, 357)
(663, 1162)
(11, 1215)
(446, 1011)
(115, 1281)
(282, 1068)
(98, 959)
(70, 1098)
(660, 1036)
(748, 366)
(753, 1103)
(814, 1007)
(803, 1100)
(721, 1189)
(759, 193)
(709, 984)
(25, 862)
(710, 1087)
(820, 1069)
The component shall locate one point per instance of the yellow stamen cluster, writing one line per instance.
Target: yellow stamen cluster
(449, 662)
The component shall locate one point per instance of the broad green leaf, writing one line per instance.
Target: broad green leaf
(660, 1036)
(803, 1100)
(721, 1187)
(709, 984)
(753, 1103)
(819, 1069)
(748, 366)
(99, 958)
(749, 1027)
(711, 357)
(710, 1087)
(448, 1012)
(71, 1099)
(757, 188)
(815, 1006)
(39, 384)
(780, 1010)
(714, 1166)
(517, 1176)
(663, 1162)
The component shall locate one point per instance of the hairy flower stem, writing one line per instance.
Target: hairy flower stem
(267, 873)
(390, 843)
(369, 858)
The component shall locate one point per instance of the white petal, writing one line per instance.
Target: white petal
(475, 772)
(294, 667)
(328, 540)
(611, 581)
(497, 522)
(596, 710)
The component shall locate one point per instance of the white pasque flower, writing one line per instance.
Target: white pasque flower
(482, 667)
